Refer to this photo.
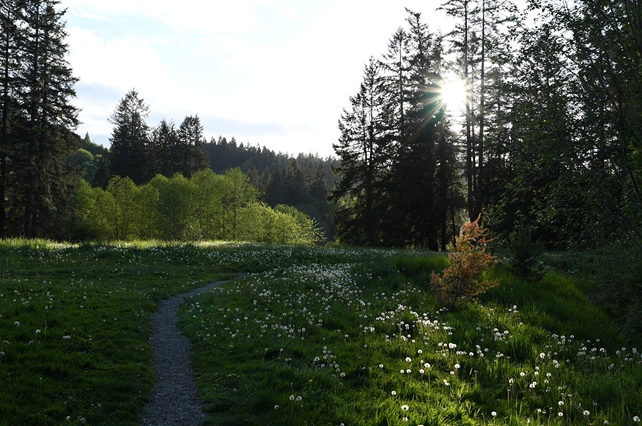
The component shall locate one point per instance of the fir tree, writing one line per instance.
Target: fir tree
(42, 138)
(129, 139)
(163, 150)
(8, 66)
(191, 140)
(362, 149)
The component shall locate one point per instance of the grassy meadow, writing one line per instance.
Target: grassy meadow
(316, 336)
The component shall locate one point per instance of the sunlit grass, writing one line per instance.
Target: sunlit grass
(75, 324)
(324, 334)
(360, 342)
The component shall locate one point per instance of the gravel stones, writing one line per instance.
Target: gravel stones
(173, 398)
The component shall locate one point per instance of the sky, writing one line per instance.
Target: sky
(272, 73)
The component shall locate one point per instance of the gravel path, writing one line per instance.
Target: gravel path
(173, 398)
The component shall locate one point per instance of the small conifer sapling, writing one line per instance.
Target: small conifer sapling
(462, 280)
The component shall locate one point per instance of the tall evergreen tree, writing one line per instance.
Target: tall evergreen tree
(163, 150)
(364, 160)
(414, 221)
(9, 41)
(397, 160)
(395, 79)
(42, 140)
(462, 43)
(129, 139)
(294, 183)
(191, 140)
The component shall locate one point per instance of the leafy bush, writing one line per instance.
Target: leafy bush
(461, 280)
(206, 206)
(524, 255)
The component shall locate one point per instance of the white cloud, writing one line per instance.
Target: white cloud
(273, 72)
(123, 63)
(211, 17)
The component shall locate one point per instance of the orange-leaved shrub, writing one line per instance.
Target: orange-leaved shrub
(461, 281)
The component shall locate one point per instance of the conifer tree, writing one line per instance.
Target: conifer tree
(191, 139)
(397, 168)
(414, 167)
(42, 139)
(129, 139)
(480, 40)
(462, 10)
(163, 150)
(8, 66)
(294, 183)
(364, 157)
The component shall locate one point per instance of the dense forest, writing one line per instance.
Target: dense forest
(301, 182)
(45, 167)
(548, 138)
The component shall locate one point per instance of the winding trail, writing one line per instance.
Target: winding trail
(173, 398)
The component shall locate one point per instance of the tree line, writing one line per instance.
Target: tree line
(141, 152)
(42, 159)
(156, 182)
(399, 168)
(549, 137)
(301, 182)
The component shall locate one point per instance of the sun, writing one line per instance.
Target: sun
(453, 93)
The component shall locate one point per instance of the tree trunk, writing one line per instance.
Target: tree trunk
(482, 112)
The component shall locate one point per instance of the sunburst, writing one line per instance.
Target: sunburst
(453, 93)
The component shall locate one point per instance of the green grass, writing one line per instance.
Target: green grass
(75, 323)
(321, 333)
(327, 342)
